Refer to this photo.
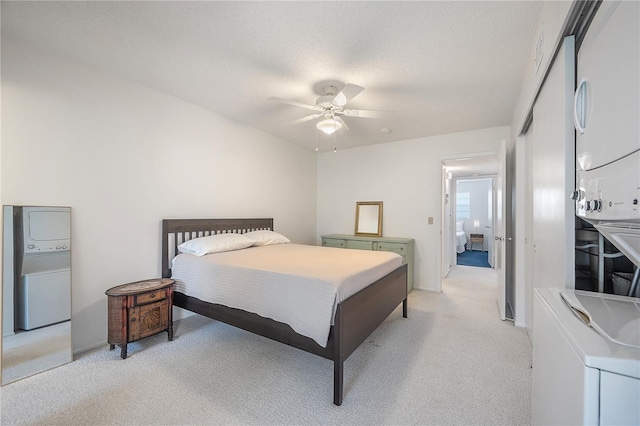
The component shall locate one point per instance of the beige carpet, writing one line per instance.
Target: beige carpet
(451, 362)
(31, 352)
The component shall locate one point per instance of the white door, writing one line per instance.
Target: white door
(553, 176)
(499, 230)
(447, 236)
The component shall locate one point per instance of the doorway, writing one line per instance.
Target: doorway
(474, 206)
(469, 211)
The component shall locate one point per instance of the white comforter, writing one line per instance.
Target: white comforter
(461, 241)
(296, 284)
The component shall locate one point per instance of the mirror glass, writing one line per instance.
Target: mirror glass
(369, 218)
(36, 290)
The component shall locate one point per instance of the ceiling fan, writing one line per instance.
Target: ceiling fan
(331, 105)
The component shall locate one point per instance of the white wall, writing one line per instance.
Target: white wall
(406, 176)
(553, 18)
(124, 157)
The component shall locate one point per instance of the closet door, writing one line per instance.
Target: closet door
(553, 174)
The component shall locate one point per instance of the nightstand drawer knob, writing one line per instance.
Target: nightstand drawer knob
(133, 319)
(152, 296)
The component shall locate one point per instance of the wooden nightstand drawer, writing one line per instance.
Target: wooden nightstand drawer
(148, 319)
(152, 296)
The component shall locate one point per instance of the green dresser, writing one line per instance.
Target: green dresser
(402, 246)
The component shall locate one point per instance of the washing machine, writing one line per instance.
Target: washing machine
(44, 291)
(586, 358)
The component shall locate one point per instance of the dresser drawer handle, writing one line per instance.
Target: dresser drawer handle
(133, 319)
(152, 296)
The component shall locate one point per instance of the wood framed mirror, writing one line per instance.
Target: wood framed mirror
(369, 218)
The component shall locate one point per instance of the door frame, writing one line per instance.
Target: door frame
(447, 249)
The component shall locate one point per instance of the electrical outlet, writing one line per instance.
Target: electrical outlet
(430, 220)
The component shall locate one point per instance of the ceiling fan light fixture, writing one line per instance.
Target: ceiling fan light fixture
(329, 126)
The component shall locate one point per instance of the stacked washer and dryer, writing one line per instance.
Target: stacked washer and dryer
(43, 266)
(586, 345)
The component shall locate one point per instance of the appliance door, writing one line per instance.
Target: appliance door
(608, 94)
(619, 393)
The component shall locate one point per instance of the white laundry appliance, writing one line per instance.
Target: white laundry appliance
(606, 111)
(586, 345)
(43, 256)
(586, 358)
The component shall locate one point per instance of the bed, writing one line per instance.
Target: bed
(461, 237)
(354, 318)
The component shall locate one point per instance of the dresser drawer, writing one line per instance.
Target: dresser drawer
(402, 246)
(393, 247)
(152, 296)
(330, 242)
(360, 245)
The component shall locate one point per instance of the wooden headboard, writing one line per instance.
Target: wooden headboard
(176, 231)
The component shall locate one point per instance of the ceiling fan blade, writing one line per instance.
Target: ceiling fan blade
(348, 92)
(303, 119)
(294, 103)
(341, 121)
(366, 113)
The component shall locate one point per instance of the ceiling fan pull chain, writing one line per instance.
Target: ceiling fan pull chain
(316, 139)
(334, 142)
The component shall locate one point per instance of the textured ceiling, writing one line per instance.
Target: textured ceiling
(443, 67)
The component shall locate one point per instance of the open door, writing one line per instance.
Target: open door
(446, 236)
(500, 237)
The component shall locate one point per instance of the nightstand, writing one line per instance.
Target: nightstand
(476, 238)
(138, 310)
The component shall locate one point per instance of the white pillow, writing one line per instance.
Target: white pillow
(265, 238)
(459, 225)
(215, 244)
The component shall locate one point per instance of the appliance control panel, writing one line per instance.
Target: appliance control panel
(47, 246)
(611, 192)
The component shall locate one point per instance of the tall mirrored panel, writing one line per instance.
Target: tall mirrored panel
(36, 286)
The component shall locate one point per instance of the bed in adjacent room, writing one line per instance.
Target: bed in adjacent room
(320, 299)
(461, 237)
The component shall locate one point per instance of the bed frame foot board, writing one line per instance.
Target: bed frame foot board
(356, 317)
(359, 315)
(253, 323)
